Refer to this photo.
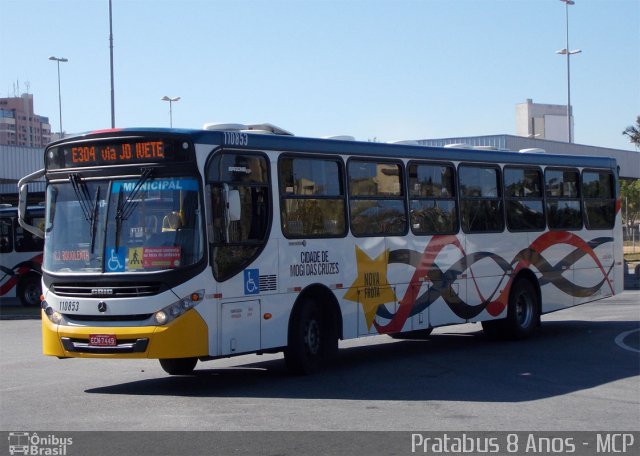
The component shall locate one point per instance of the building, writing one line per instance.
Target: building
(17, 162)
(628, 160)
(542, 121)
(20, 126)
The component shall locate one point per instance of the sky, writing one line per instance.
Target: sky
(374, 69)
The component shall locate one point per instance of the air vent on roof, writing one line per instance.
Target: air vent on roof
(458, 146)
(406, 142)
(263, 128)
(340, 137)
(224, 126)
(485, 147)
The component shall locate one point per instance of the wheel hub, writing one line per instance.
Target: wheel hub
(312, 337)
(524, 308)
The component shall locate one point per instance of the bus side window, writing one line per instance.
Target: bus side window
(312, 197)
(432, 198)
(6, 238)
(480, 199)
(376, 198)
(523, 198)
(599, 200)
(564, 209)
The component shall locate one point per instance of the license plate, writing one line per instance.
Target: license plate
(102, 340)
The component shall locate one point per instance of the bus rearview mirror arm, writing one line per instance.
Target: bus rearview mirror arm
(23, 192)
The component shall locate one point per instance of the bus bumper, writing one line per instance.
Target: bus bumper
(185, 337)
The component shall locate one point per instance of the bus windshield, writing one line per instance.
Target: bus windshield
(123, 225)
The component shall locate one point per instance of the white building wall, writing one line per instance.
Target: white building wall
(17, 162)
(542, 121)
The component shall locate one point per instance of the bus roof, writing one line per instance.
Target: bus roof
(286, 143)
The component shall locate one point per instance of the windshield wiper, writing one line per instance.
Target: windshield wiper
(82, 193)
(89, 209)
(94, 219)
(126, 207)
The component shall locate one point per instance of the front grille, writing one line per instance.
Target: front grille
(108, 290)
(105, 318)
(124, 346)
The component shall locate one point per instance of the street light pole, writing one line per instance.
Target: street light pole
(170, 100)
(113, 109)
(58, 60)
(568, 53)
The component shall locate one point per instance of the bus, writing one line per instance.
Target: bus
(187, 245)
(20, 256)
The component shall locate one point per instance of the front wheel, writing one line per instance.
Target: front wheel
(178, 366)
(311, 339)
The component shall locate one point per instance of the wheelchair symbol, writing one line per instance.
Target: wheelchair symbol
(116, 260)
(251, 281)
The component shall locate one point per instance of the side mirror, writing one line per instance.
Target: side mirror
(233, 205)
(23, 191)
(232, 208)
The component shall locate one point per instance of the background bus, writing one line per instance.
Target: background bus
(187, 245)
(20, 256)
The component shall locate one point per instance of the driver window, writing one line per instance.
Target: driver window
(238, 242)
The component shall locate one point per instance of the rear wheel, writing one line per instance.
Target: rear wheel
(29, 290)
(178, 366)
(523, 314)
(312, 339)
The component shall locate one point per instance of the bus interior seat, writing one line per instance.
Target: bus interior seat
(172, 221)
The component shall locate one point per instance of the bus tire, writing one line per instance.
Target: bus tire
(523, 313)
(417, 334)
(29, 290)
(312, 339)
(178, 366)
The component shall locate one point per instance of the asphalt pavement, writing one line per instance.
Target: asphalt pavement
(581, 371)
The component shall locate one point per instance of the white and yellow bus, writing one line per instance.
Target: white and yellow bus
(187, 245)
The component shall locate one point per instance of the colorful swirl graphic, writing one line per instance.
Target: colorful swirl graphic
(496, 301)
(11, 277)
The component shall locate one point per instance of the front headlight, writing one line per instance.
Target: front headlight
(173, 311)
(53, 315)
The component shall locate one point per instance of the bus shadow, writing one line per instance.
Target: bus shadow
(563, 357)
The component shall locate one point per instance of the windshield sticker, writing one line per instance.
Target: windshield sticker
(134, 258)
(141, 258)
(71, 256)
(158, 257)
(156, 185)
(116, 259)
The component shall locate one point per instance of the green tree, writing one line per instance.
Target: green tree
(633, 132)
(630, 196)
(630, 189)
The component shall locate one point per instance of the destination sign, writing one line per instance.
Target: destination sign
(117, 153)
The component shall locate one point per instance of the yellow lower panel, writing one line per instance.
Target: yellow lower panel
(50, 341)
(182, 338)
